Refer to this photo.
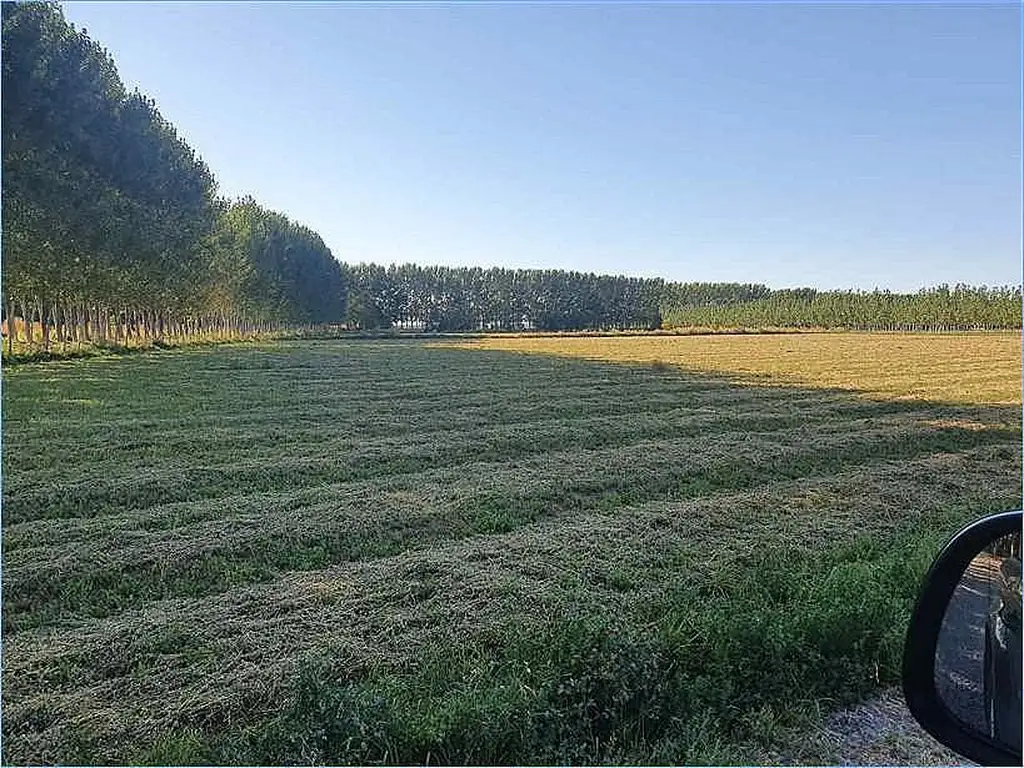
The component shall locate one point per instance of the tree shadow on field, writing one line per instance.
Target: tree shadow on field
(673, 377)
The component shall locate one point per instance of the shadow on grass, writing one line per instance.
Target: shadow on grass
(95, 350)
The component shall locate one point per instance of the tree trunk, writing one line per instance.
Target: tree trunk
(11, 327)
(88, 327)
(65, 316)
(44, 323)
(58, 325)
(26, 323)
(71, 322)
(60, 321)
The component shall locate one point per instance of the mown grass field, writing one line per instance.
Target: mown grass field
(400, 551)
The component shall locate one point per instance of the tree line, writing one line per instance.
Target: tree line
(498, 299)
(942, 308)
(113, 232)
(475, 299)
(112, 228)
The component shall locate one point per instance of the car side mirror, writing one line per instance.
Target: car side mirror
(962, 659)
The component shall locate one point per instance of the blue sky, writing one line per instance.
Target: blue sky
(838, 146)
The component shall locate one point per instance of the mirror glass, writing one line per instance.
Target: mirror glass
(978, 658)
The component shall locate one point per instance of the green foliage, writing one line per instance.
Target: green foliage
(961, 308)
(497, 299)
(102, 200)
(112, 232)
(412, 297)
(276, 269)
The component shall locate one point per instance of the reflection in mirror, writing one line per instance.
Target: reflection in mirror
(978, 658)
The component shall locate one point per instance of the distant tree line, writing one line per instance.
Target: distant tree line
(112, 229)
(932, 309)
(474, 299)
(497, 299)
(113, 232)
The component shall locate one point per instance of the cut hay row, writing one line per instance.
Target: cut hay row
(103, 575)
(361, 450)
(218, 659)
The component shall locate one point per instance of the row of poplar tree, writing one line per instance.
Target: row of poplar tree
(113, 232)
(474, 299)
(959, 308)
(112, 227)
(497, 299)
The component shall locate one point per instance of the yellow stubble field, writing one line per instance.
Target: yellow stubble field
(977, 368)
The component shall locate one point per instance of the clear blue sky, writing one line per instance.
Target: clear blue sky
(838, 146)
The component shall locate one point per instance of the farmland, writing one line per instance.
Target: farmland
(957, 367)
(499, 550)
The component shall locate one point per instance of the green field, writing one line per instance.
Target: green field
(393, 551)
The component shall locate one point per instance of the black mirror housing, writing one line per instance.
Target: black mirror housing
(921, 649)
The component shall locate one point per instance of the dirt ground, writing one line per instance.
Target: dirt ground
(878, 732)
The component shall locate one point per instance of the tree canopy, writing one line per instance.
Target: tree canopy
(962, 307)
(112, 221)
(498, 299)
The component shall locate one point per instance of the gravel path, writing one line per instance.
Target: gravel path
(883, 732)
(878, 732)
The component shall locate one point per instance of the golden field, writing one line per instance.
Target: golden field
(980, 368)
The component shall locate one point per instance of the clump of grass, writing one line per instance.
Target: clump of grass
(186, 747)
(582, 687)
